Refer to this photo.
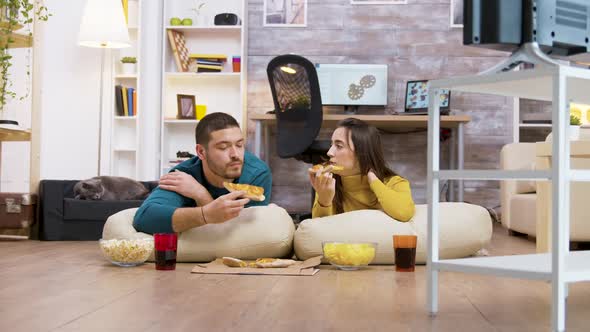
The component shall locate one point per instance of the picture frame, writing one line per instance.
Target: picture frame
(456, 13)
(378, 2)
(416, 100)
(186, 107)
(284, 13)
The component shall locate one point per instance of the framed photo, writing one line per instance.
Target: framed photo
(285, 13)
(417, 97)
(378, 2)
(186, 107)
(456, 13)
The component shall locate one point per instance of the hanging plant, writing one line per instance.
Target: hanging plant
(14, 15)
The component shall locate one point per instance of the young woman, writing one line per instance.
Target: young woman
(365, 182)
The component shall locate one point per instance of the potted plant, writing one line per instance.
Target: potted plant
(574, 129)
(129, 64)
(14, 15)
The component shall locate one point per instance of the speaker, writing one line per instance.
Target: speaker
(227, 19)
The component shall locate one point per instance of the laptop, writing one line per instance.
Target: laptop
(416, 102)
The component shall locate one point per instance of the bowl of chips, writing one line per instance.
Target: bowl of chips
(349, 256)
(128, 252)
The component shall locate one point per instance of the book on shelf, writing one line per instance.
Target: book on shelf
(119, 100)
(130, 101)
(125, 101)
(134, 102)
(125, 104)
(208, 68)
(210, 57)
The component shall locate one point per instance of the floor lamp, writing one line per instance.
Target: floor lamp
(103, 26)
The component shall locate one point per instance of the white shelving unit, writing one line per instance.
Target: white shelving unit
(125, 129)
(220, 92)
(561, 85)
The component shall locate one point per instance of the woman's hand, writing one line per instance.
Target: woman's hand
(324, 184)
(371, 176)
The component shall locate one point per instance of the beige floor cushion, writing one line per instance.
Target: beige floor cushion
(265, 231)
(464, 229)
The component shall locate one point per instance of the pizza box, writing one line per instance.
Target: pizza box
(301, 268)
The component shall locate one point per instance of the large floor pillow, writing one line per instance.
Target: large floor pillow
(264, 231)
(464, 229)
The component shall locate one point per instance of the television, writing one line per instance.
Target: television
(353, 85)
(560, 27)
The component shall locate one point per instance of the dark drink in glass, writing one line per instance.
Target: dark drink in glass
(405, 259)
(165, 245)
(405, 252)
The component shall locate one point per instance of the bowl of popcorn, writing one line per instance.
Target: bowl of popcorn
(349, 256)
(126, 253)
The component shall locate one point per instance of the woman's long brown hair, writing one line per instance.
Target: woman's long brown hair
(368, 151)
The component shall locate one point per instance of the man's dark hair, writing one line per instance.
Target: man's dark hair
(213, 122)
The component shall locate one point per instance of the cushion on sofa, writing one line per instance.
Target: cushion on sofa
(261, 231)
(464, 229)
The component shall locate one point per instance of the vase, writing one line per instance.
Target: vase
(129, 68)
(573, 131)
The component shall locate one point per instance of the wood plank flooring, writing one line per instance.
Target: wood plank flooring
(68, 286)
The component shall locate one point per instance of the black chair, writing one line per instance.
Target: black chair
(298, 108)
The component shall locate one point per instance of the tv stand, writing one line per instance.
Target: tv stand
(527, 53)
(351, 109)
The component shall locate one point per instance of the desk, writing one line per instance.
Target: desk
(385, 122)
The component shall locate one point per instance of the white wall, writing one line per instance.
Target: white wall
(14, 170)
(70, 93)
(69, 99)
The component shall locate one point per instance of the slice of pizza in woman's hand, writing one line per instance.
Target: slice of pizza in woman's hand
(254, 193)
(326, 168)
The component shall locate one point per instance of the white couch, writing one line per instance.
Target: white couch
(526, 205)
(518, 198)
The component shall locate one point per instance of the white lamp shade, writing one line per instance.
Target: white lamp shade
(103, 25)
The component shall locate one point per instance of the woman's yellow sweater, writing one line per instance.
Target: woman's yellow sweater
(394, 197)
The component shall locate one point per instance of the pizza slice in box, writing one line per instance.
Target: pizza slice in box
(254, 193)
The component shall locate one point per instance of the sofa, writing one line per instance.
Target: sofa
(62, 217)
(518, 198)
(526, 205)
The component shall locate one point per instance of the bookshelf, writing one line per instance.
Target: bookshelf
(223, 91)
(125, 124)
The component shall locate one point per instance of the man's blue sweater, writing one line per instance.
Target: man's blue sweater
(155, 214)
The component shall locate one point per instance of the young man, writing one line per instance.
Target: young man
(192, 194)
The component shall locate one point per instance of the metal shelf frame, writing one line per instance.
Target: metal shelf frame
(560, 84)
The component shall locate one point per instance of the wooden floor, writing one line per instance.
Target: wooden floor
(68, 286)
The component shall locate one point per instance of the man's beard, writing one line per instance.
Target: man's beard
(220, 170)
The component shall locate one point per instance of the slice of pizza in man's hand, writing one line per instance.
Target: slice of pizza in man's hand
(254, 193)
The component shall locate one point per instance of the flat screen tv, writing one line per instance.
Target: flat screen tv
(560, 27)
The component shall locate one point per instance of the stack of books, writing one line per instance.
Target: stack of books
(126, 100)
(207, 63)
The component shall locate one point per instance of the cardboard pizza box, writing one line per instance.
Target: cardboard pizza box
(301, 268)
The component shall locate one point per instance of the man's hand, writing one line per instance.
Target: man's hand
(225, 207)
(324, 184)
(183, 184)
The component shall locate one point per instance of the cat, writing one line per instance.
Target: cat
(109, 188)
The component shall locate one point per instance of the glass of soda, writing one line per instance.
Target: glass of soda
(165, 245)
(404, 247)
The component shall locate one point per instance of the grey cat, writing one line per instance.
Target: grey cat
(109, 188)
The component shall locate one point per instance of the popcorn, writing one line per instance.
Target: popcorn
(349, 254)
(127, 251)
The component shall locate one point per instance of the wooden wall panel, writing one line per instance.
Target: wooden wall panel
(415, 40)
